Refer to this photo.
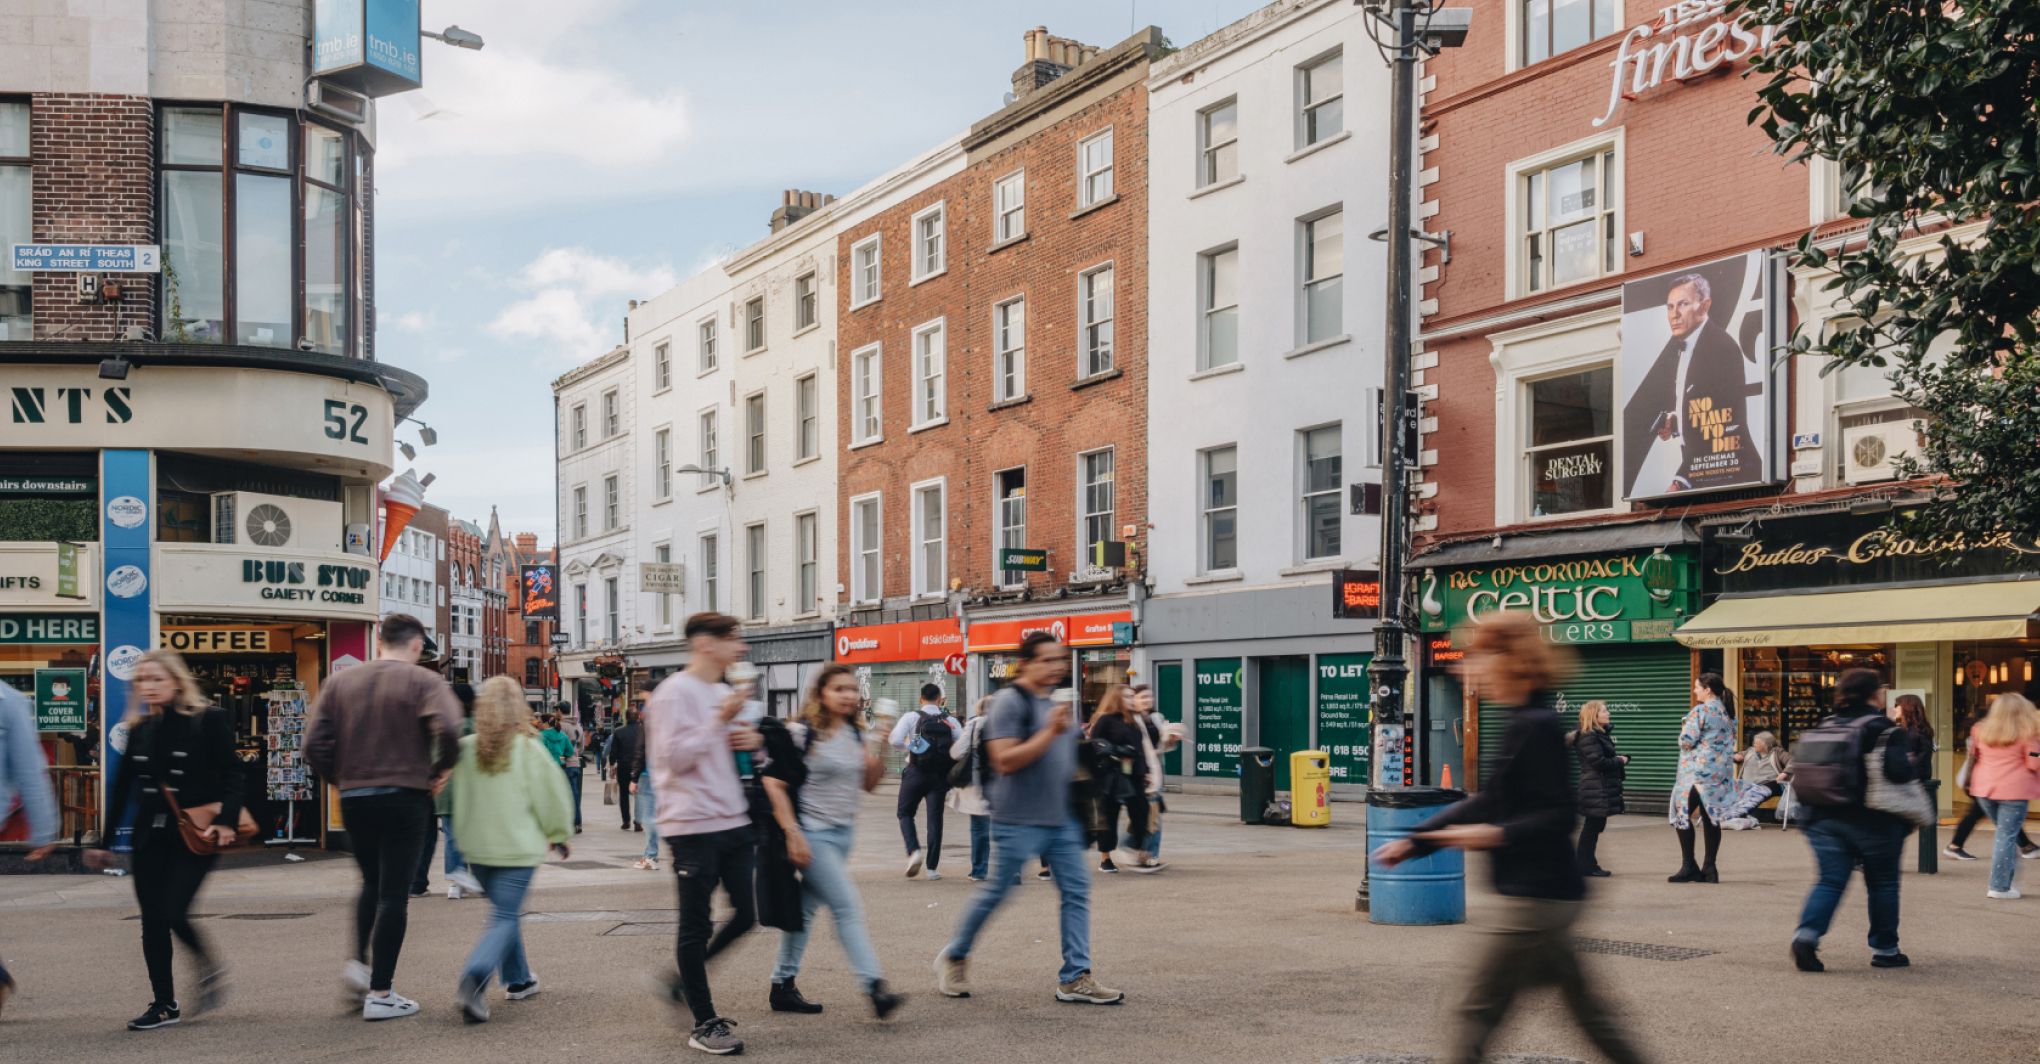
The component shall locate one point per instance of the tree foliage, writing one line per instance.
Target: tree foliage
(1931, 103)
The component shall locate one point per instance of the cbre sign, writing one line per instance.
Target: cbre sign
(1686, 40)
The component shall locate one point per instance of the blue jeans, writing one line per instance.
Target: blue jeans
(574, 784)
(454, 862)
(1065, 851)
(2009, 817)
(980, 845)
(826, 881)
(1839, 847)
(647, 813)
(501, 949)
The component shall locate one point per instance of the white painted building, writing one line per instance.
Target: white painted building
(468, 593)
(411, 581)
(1267, 169)
(597, 410)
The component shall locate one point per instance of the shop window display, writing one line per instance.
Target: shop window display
(1984, 671)
(1786, 690)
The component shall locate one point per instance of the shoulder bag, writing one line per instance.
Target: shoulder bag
(193, 822)
(1907, 801)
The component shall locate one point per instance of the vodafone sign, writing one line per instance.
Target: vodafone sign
(1686, 40)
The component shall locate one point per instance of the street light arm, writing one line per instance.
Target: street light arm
(724, 473)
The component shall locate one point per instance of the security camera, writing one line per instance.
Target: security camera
(304, 344)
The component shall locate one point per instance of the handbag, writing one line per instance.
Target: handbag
(193, 822)
(1907, 801)
(609, 792)
(1962, 774)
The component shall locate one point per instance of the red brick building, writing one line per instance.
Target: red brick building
(528, 646)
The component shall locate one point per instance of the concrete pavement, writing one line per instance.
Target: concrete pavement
(1247, 949)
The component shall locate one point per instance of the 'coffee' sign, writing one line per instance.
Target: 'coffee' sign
(286, 580)
(1670, 44)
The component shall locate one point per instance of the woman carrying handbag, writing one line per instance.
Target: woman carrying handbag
(181, 770)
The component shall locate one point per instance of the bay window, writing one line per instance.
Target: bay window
(16, 222)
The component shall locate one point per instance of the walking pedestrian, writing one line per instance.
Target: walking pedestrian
(1031, 742)
(1973, 815)
(460, 880)
(1844, 832)
(626, 753)
(597, 749)
(567, 754)
(968, 798)
(2005, 749)
(1120, 772)
(25, 777)
(1706, 780)
(180, 755)
(926, 735)
(692, 739)
(1163, 735)
(509, 808)
(384, 733)
(1601, 775)
(1909, 711)
(1524, 813)
(818, 769)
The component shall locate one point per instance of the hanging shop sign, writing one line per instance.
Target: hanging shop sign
(906, 641)
(1221, 701)
(1356, 594)
(60, 700)
(1602, 598)
(367, 45)
(1023, 560)
(541, 600)
(47, 574)
(1344, 716)
(1842, 549)
(48, 629)
(204, 579)
(1686, 39)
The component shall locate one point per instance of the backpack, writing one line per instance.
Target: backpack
(1827, 762)
(928, 750)
(974, 769)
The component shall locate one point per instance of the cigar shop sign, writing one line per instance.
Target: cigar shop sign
(233, 581)
(1618, 597)
(1840, 550)
(1686, 40)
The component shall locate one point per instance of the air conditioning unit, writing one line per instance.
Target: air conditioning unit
(1871, 452)
(275, 522)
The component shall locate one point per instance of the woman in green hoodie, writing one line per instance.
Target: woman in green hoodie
(509, 804)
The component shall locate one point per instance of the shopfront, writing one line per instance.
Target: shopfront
(1616, 610)
(893, 662)
(1101, 652)
(787, 657)
(1796, 601)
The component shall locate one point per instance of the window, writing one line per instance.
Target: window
(612, 500)
(1568, 222)
(662, 367)
(1320, 453)
(612, 415)
(1218, 327)
(930, 573)
(1218, 143)
(807, 431)
(1324, 268)
(867, 573)
(580, 511)
(1094, 300)
(16, 222)
(711, 566)
(807, 590)
(611, 629)
(531, 671)
(1554, 26)
(1096, 501)
(754, 324)
(581, 614)
(263, 240)
(663, 554)
(579, 420)
(705, 346)
(1009, 505)
(1321, 95)
(1221, 503)
(532, 634)
(864, 272)
(1094, 170)
(1571, 449)
(709, 454)
(754, 433)
(1009, 206)
(806, 302)
(754, 573)
(1009, 350)
(662, 464)
(865, 426)
(931, 399)
(930, 244)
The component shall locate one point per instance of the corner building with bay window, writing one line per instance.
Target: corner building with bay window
(189, 453)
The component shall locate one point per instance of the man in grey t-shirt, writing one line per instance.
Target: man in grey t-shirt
(1032, 746)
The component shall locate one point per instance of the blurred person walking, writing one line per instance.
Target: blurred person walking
(2005, 779)
(24, 777)
(566, 754)
(1120, 772)
(967, 784)
(626, 755)
(509, 808)
(460, 882)
(926, 735)
(384, 733)
(1524, 813)
(1706, 780)
(1163, 735)
(1601, 775)
(1974, 815)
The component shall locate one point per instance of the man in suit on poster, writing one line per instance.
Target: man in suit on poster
(1699, 388)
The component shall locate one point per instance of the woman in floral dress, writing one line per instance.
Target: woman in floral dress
(1706, 781)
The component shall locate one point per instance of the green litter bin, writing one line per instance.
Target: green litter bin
(1257, 783)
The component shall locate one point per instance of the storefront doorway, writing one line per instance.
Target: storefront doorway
(1282, 693)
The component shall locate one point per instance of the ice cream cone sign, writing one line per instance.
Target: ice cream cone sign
(400, 499)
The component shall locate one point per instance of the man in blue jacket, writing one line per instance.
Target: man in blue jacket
(24, 774)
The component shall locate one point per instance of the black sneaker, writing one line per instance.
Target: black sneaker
(1890, 960)
(786, 997)
(156, 1016)
(883, 1000)
(1957, 852)
(1043, 874)
(1107, 866)
(212, 991)
(1807, 956)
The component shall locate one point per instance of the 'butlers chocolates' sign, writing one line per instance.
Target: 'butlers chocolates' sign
(1840, 550)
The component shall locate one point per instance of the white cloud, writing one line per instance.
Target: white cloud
(574, 298)
(411, 321)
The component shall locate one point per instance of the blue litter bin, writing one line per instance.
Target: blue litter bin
(1428, 890)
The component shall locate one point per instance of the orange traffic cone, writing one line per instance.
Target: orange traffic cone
(1446, 781)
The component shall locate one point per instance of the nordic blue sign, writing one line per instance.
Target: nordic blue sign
(367, 45)
(88, 258)
(125, 532)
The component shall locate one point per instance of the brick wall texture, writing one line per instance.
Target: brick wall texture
(93, 180)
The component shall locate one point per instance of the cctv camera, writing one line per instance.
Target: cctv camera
(304, 343)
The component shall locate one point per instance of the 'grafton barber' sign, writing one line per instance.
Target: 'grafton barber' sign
(1687, 39)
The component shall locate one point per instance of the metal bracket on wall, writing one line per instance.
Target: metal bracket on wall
(1441, 241)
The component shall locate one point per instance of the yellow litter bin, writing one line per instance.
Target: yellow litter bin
(1310, 789)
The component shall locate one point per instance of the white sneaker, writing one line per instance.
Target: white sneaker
(934, 875)
(914, 862)
(472, 999)
(466, 881)
(2005, 895)
(354, 980)
(1740, 823)
(391, 1006)
(453, 892)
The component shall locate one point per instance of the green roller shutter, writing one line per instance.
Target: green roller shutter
(1648, 687)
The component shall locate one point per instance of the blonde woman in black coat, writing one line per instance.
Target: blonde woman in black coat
(1601, 772)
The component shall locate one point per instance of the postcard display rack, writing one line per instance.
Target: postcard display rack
(290, 782)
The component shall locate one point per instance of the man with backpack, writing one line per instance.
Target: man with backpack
(1830, 780)
(926, 735)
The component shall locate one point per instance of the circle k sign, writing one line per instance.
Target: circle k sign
(953, 664)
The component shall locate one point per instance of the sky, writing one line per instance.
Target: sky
(598, 151)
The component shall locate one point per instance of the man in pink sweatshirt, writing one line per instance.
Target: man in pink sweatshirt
(692, 741)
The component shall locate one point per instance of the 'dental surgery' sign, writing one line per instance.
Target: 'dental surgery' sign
(1686, 40)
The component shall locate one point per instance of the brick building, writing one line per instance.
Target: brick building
(529, 652)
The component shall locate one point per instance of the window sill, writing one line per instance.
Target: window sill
(1313, 348)
(712, 485)
(754, 351)
(705, 371)
(662, 502)
(798, 462)
(811, 615)
(872, 442)
(926, 425)
(867, 303)
(1006, 404)
(804, 330)
(927, 597)
(1217, 186)
(1310, 568)
(926, 277)
(1098, 378)
(1098, 206)
(754, 474)
(1306, 152)
(1218, 371)
(1216, 576)
(1002, 245)
(662, 391)
(1541, 518)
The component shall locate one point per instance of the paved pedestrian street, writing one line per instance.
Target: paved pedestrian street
(1246, 949)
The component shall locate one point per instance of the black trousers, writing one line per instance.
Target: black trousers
(918, 788)
(1590, 838)
(422, 880)
(387, 832)
(1973, 817)
(700, 863)
(1136, 823)
(167, 877)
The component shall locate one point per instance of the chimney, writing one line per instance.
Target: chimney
(527, 542)
(795, 204)
(1048, 57)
